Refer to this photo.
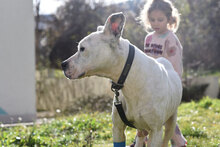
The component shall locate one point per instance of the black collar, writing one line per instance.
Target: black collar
(126, 69)
(117, 86)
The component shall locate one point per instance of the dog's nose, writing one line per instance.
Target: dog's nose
(64, 65)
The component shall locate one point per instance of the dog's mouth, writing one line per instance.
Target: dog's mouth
(74, 76)
(67, 74)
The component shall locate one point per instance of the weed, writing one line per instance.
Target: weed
(205, 103)
(194, 132)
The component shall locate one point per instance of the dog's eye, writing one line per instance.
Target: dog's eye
(82, 49)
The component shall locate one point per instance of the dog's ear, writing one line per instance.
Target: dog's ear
(100, 28)
(115, 24)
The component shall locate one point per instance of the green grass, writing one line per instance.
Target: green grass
(199, 122)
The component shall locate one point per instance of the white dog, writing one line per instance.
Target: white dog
(151, 93)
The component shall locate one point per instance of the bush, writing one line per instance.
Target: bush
(193, 93)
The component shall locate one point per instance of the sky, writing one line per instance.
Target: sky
(50, 6)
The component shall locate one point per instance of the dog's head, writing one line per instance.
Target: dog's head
(97, 52)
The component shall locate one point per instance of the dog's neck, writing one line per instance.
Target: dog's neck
(141, 64)
(114, 69)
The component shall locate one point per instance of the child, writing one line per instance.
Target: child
(163, 18)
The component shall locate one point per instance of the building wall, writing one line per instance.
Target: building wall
(17, 61)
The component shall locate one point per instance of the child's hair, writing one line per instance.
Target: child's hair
(166, 7)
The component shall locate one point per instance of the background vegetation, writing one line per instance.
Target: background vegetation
(199, 30)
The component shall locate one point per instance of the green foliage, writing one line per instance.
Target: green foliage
(80, 130)
(194, 132)
(206, 103)
(199, 122)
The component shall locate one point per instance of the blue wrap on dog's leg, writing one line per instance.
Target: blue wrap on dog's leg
(119, 144)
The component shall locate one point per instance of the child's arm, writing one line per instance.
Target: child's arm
(173, 46)
(170, 48)
(173, 52)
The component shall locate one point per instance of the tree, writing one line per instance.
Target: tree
(78, 20)
(200, 34)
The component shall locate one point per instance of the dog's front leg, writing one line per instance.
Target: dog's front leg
(118, 129)
(155, 138)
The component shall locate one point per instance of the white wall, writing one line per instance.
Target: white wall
(17, 61)
(213, 85)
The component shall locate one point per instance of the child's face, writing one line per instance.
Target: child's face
(158, 21)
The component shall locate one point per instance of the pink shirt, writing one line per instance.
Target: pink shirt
(166, 45)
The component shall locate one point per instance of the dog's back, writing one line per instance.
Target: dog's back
(167, 65)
